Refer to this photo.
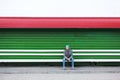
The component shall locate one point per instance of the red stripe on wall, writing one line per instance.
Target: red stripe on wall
(57, 22)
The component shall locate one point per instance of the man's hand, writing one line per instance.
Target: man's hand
(68, 59)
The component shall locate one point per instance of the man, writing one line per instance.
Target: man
(68, 56)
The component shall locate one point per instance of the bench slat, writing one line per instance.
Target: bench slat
(60, 54)
(59, 60)
(3, 50)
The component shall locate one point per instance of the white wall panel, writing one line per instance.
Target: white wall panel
(60, 8)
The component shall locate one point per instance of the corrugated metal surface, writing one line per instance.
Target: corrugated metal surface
(57, 39)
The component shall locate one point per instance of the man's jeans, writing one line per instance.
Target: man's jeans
(72, 61)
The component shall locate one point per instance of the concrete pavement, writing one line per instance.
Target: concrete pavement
(56, 73)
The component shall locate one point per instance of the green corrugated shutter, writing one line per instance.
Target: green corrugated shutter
(57, 39)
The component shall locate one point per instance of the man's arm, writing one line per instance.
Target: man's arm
(65, 56)
(71, 55)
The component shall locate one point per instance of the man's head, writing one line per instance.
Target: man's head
(67, 47)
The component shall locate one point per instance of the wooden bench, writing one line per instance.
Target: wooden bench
(59, 53)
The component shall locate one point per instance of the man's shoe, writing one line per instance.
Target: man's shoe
(73, 68)
(63, 68)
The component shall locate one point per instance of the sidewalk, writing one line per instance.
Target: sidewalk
(56, 73)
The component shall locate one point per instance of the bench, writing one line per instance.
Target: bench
(59, 53)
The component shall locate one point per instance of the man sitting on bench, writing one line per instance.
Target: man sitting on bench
(68, 56)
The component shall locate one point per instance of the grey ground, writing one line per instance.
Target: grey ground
(57, 73)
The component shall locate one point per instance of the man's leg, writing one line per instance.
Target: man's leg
(63, 63)
(72, 59)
